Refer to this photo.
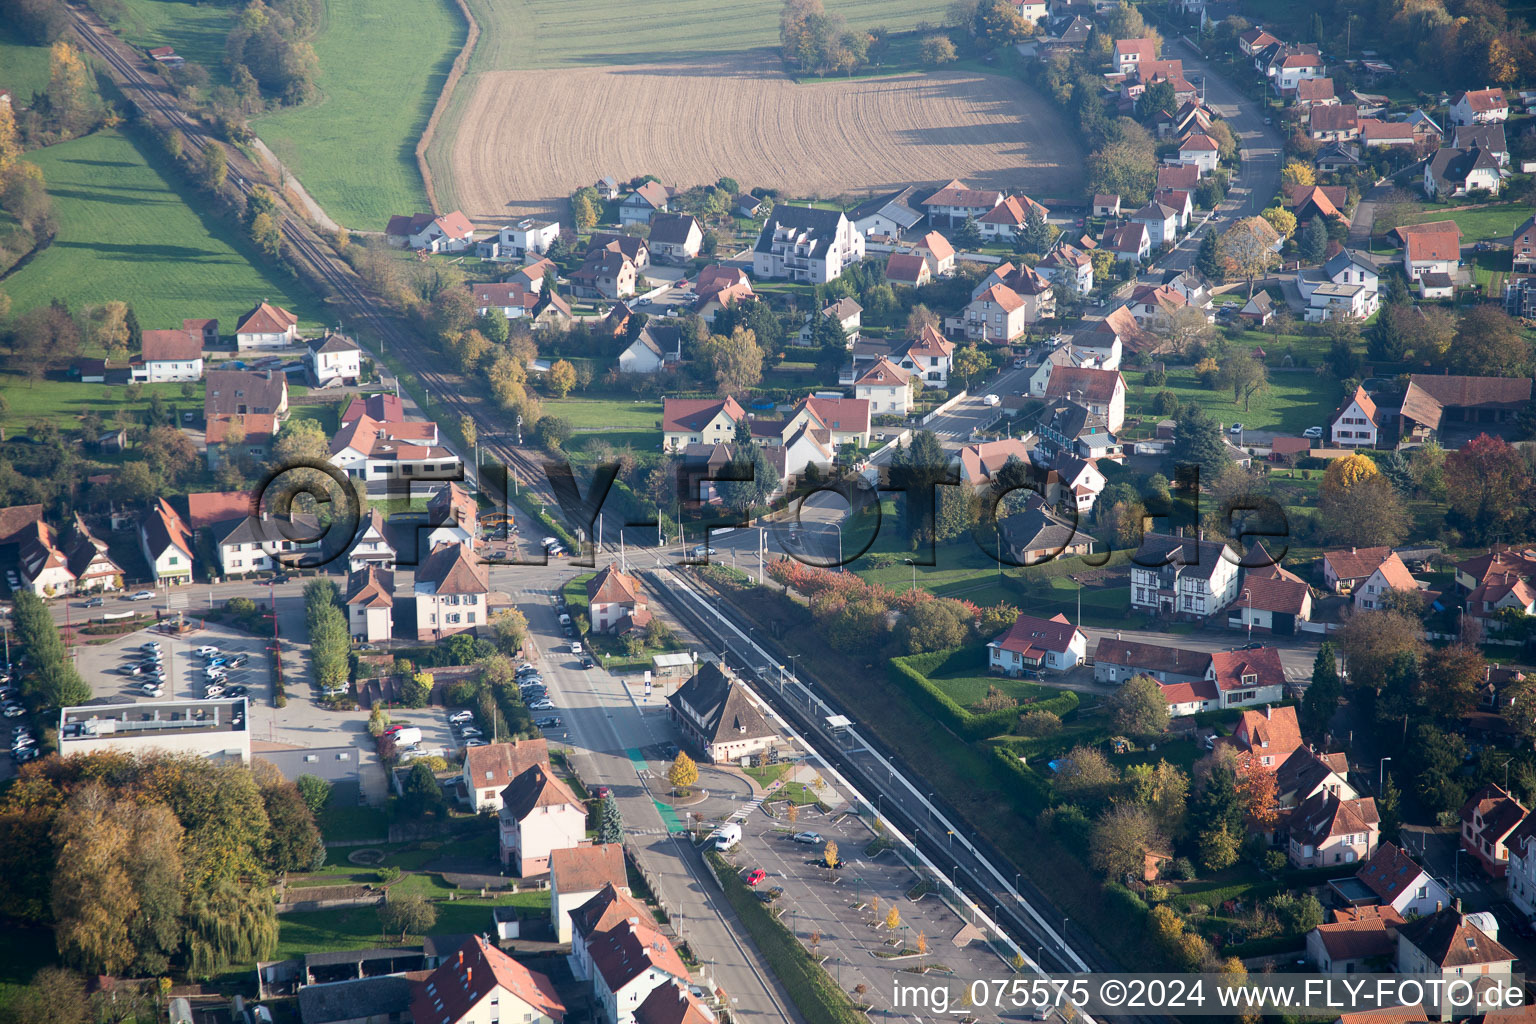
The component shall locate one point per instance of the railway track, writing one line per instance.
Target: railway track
(312, 254)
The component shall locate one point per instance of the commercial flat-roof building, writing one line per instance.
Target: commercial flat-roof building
(218, 728)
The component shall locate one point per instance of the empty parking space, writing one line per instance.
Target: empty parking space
(109, 668)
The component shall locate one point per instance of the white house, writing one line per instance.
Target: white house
(1032, 644)
(930, 357)
(1480, 106)
(1296, 68)
(1068, 263)
(451, 232)
(1357, 424)
(1078, 482)
(803, 243)
(576, 875)
(511, 299)
(370, 604)
(1447, 946)
(266, 326)
(886, 387)
(488, 769)
(89, 561)
(1130, 242)
(1433, 248)
(955, 203)
(1102, 392)
(1008, 218)
(615, 602)
(1183, 576)
(1202, 151)
(1345, 285)
(476, 984)
(1161, 222)
(1521, 873)
(998, 314)
(638, 207)
(846, 420)
(166, 543)
(334, 357)
(368, 450)
(1404, 886)
(1129, 54)
(1456, 172)
(654, 347)
(452, 590)
(1390, 575)
(516, 241)
(675, 238)
(848, 314)
(539, 814)
(44, 568)
(887, 215)
(258, 543)
(169, 356)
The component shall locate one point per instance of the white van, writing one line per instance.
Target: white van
(728, 836)
(565, 620)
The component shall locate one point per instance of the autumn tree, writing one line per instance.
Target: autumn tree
(1085, 772)
(1344, 473)
(1163, 789)
(1184, 328)
(999, 24)
(1297, 172)
(936, 49)
(1488, 485)
(1256, 787)
(683, 773)
(735, 362)
(1246, 249)
(1281, 219)
(893, 918)
(72, 102)
(1121, 840)
(561, 378)
(1370, 640)
(1371, 512)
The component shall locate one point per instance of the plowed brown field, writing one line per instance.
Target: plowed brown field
(527, 139)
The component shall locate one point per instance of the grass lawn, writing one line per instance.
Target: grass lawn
(605, 413)
(1292, 402)
(382, 65)
(197, 31)
(64, 402)
(1496, 221)
(342, 824)
(26, 66)
(125, 233)
(520, 34)
(588, 437)
(327, 416)
(969, 684)
(358, 927)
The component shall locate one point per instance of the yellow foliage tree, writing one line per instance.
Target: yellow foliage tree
(10, 142)
(1281, 219)
(1297, 172)
(893, 917)
(562, 378)
(1342, 474)
(683, 773)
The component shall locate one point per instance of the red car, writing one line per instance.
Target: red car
(757, 875)
(392, 729)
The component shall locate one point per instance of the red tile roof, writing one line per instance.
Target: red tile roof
(1092, 384)
(1002, 296)
(587, 868)
(684, 414)
(627, 951)
(610, 586)
(905, 267)
(172, 346)
(1229, 668)
(604, 911)
(454, 569)
(672, 1003)
(385, 408)
(1389, 873)
(1483, 100)
(1185, 176)
(1274, 731)
(1031, 636)
(884, 374)
(956, 193)
(371, 587)
(497, 764)
(1199, 144)
(460, 984)
(208, 507)
(939, 246)
(1439, 240)
(1356, 563)
(266, 319)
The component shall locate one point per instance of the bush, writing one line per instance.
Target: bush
(1182, 869)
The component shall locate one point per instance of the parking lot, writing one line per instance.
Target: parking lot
(105, 667)
(839, 905)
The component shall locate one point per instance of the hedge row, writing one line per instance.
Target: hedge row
(911, 674)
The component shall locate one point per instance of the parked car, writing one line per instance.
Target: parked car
(469, 732)
(542, 705)
(153, 645)
(458, 717)
(587, 662)
(699, 551)
(552, 722)
(95, 602)
(992, 401)
(238, 691)
(1235, 429)
(13, 711)
(142, 595)
(216, 672)
(26, 754)
(238, 660)
(475, 742)
(207, 650)
(755, 876)
(1312, 432)
(151, 685)
(212, 690)
(527, 668)
(811, 838)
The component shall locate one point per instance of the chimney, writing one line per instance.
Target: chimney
(1353, 550)
(1266, 711)
(1439, 906)
(461, 958)
(1457, 903)
(469, 976)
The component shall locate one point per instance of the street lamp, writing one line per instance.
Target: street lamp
(1381, 775)
(1249, 595)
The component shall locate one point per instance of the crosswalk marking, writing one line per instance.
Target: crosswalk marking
(746, 809)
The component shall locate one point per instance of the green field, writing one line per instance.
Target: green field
(521, 34)
(64, 402)
(599, 414)
(196, 31)
(1293, 401)
(1488, 222)
(26, 66)
(125, 233)
(382, 65)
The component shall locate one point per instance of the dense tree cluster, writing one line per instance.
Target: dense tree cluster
(815, 41)
(270, 47)
(142, 864)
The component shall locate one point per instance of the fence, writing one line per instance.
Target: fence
(954, 400)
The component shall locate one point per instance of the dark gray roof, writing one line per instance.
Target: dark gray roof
(899, 203)
(333, 343)
(1035, 529)
(1198, 558)
(1343, 258)
(1480, 136)
(304, 529)
(1451, 165)
(671, 228)
(816, 225)
(721, 704)
(333, 764)
(356, 956)
(359, 999)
